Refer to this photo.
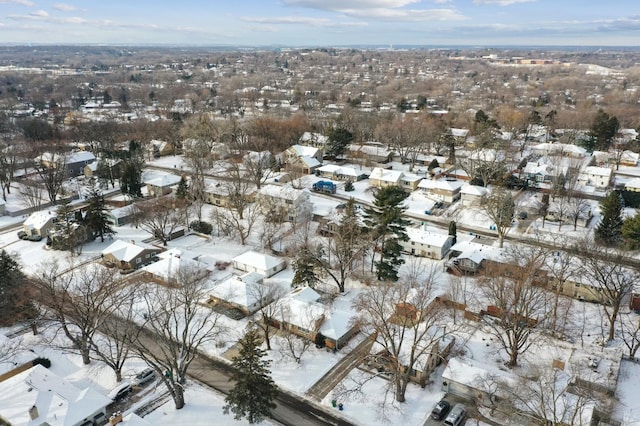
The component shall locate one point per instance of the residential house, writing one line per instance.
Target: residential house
(335, 172)
(432, 350)
(559, 149)
(301, 313)
(246, 293)
(445, 190)
(217, 193)
(369, 153)
(305, 159)
(261, 263)
(174, 266)
(290, 204)
(538, 172)
(39, 223)
(382, 178)
(38, 396)
(459, 135)
(427, 242)
(73, 162)
(598, 177)
(632, 185)
(160, 148)
(160, 184)
(129, 255)
(472, 195)
(316, 140)
(120, 216)
(468, 257)
(114, 166)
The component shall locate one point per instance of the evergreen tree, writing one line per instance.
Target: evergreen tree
(348, 186)
(602, 131)
(96, 219)
(433, 164)
(339, 139)
(182, 190)
(609, 230)
(387, 227)
(254, 391)
(305, 270)
(631, 231)
(453, 231)
(15, 301)
(131, 176)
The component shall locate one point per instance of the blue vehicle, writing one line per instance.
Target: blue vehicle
(324, 186)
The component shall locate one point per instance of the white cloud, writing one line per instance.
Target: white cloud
(406, 14)
(302, 20)
(39, 14)
(64, 7)
(502, 2)
(20, 2)
(349, 4)
(442, 1)
(264, 28)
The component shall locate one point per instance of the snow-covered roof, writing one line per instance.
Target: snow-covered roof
(124, 250)
(385, 175)
(310, 161)
(459, 133)
(479, 191)
(314, 137)
(171, 266)
(427, 236)
(596, 171)
(633, 183)
(38, 219)
(339, 170)
(283, 192)
(441, 184)
(167, 179)
(555, 148)
(259, 261)
(58, 402)
(304, 151)
(239, 291)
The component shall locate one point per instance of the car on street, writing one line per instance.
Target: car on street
(440, 410)
(144, 377)
(120, 392)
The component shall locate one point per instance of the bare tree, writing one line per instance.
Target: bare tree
(52, 171)
(270, 293)
(257, 167)
(407, 325)
(112, 346)
(79, 299)
(31, 194)
(500, 208)
(175, 327)
(516, 299)
(230, 223)
(612, 279)
(160, 216)
(541, 396)
(630, 333)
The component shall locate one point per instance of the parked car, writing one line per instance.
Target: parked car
(120, 392)
(144, 377)
(440, 410)
(456, 416)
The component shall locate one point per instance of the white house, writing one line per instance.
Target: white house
(382, 178)
(246, 293)
(261, 263)
(445, 190)
(427, 242)
(294, 204)
(174, 266)
(472, 195)
(39, 223)
(598, 177)
(37, 396)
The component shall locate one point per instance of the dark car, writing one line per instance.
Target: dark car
(144, 377)
(440, 410)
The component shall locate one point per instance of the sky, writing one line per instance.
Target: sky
(300, 23)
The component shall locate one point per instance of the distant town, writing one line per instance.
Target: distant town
(345, 236)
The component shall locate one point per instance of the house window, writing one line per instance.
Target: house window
(138, 260)
(146, 256)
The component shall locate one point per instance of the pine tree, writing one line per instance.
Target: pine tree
(305, 270)
(453, 231)
(609, 230)
(254, 391)
(15, 302)
(348, 186)
(631, 231)
(182, 190)
(97, 220)
(387, 227)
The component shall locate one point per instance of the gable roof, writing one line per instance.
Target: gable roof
(257, 260)
(125, 251)
(38, 219)
(59, 402)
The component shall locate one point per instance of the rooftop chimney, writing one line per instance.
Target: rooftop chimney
(33, 412)
(115, 418)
